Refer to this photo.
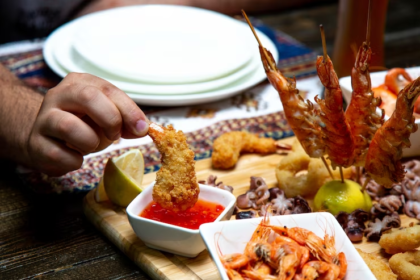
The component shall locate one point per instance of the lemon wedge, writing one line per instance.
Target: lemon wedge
(100, 194)
(123, 177)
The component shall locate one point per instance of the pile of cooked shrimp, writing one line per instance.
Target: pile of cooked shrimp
(276, 252)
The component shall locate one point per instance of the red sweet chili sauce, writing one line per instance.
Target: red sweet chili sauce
(202, 212)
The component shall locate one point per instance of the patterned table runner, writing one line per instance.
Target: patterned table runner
(256, 110)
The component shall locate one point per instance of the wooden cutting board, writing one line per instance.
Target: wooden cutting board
(112, 221)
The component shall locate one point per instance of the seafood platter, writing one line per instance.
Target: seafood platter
(337, 201)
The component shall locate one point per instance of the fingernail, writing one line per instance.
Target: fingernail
(141, 128)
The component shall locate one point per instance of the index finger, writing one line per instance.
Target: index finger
(135, 122)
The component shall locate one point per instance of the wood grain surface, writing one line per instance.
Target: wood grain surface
(112, 221)
(48, 236)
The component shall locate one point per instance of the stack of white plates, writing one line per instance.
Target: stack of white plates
(160, 54)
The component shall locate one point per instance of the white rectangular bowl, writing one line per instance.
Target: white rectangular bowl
(174, 239)
(378, 78)
(232, 236)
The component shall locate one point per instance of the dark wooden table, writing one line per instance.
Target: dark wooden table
(48, 236)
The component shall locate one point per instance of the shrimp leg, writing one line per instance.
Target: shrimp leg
(385, 151)
(176, 185)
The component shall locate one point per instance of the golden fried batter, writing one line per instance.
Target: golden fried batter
(176, 185)
(401, 239)
(228, 147)
(294, 183)
(406, 265)
(379, 267)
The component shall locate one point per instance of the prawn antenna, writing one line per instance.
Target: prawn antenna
(324, 45)
(368, 23)
(272, 66)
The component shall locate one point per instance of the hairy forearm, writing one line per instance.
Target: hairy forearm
(19, 106)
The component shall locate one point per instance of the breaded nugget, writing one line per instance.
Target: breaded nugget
(176, 185)
(379, 267)
(228, 147)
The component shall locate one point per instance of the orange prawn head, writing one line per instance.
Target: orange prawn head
(306, 238)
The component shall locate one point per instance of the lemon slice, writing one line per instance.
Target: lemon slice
(123, 177)
(336, 196)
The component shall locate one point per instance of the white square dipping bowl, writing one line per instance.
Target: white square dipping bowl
(174, 239)
(232, 236)
(377, 79)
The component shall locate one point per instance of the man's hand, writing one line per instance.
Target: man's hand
(81, 115)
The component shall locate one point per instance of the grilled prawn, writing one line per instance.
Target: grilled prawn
(336, 131)
(301, 116)
(385, 151)
(361, 113)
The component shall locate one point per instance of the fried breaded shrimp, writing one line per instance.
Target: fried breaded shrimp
(401, 240)
(294, 183)
(176, 185)
(228, 147)
(379, 267)
(406, 265)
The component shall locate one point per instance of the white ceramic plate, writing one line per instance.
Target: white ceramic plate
(163, 43)
(71, 61)
(378, 78)
(240, 85)
(232, 236)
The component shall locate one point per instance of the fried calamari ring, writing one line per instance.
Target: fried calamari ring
(379, 267)
(400, 239)
(176, 185)
(293, 182)
(228, 146)
(406, 265)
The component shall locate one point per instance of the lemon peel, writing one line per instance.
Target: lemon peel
(335, 196)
